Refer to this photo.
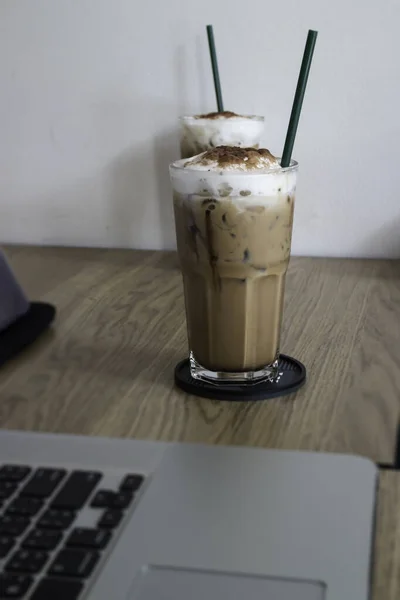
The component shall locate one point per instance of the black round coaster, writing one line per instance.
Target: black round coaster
(291, 377)
(25, 330)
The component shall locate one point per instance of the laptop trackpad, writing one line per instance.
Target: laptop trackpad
(163, 583)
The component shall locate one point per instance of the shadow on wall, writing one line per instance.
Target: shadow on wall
(127, 180)
(139, 188)
(139, 203)
(384, 243)
(165, 152)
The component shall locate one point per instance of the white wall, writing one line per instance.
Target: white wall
(90, 92)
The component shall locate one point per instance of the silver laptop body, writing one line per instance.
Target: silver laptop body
(216, 523)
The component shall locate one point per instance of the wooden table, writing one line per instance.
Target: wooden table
(106, 368)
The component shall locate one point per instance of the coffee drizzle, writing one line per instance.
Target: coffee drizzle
(212, 255)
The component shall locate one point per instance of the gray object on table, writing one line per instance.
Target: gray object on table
(13, 302)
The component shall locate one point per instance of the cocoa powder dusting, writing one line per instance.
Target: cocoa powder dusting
(227, 114)
(233, 155)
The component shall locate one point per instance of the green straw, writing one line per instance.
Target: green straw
(299, 97)
(214, 64)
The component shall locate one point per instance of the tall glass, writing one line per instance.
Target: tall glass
(202, 132)
(234, 232)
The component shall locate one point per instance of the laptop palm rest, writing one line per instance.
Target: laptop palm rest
(249, 514)
(162, 583)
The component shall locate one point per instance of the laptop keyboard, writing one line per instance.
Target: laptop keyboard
(44, 553)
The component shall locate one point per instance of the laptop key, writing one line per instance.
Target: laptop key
(103, 499)
(110, 519)
(122, 499)
(6, 544)
(74, 563)
(43, 482)
(27, 561)
(56, 519)
(13, 525)
(26, 507)
(7, 488)
(76, 490)
(84, 537)
(14, 586)
(131, 483)
(110, 499)
(57, 589)
(14, 472)
(42, 539)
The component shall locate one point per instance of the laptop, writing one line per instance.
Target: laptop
(105, 519)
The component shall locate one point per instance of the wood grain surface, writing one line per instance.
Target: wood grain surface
(386, 559)
(106, 367)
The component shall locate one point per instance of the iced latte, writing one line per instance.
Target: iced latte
(234, 215)
(202, 132)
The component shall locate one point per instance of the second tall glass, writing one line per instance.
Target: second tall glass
(202, 132)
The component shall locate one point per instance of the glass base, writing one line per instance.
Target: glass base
(267, 373)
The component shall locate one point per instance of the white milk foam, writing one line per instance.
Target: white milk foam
(233, 131)
(189, 177)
